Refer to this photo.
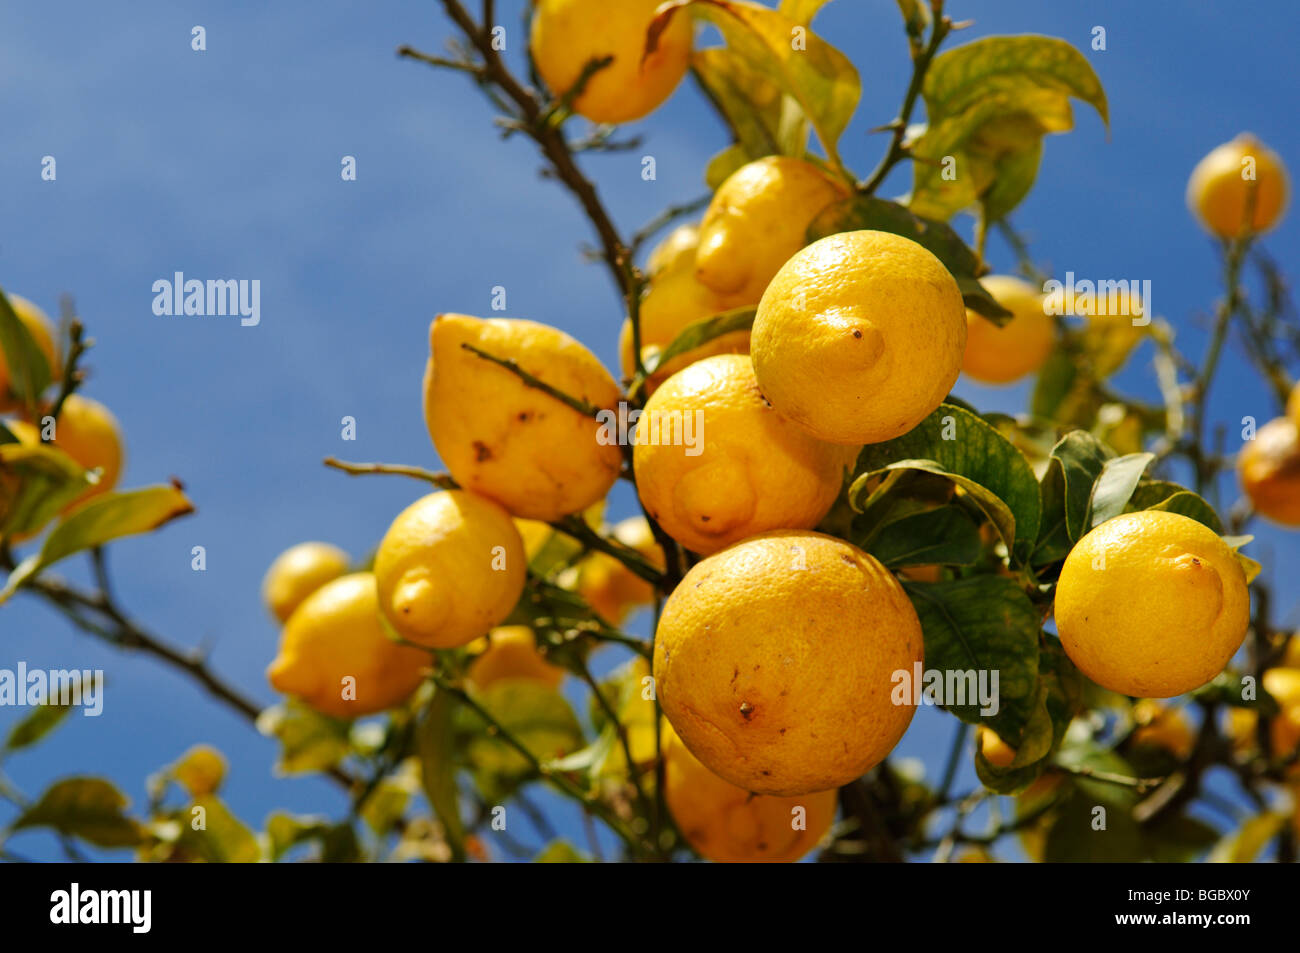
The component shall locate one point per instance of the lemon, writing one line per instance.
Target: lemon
(450, 567)
(41, 329)
(336, 656)
(1151, 604)
(675, 300)
(715, 464)
(1269, 470)
(1162, 727)
(757, 219)
(859, 336)
(535, 455)
(1000, 355)
(775, 660)
(510, 652)
(1284, 729)
(608, 585)
(567, 34)
(298, 572)
(996, 751)
(676, 251)
(1230, 177)
(1293, 406)
(200, 770)
(729, 825)
(87, 432)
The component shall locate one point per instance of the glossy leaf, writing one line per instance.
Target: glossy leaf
(1115, 485)
(701, 332)
(435, 744)
(945, 536)
(29, 373)
(1172, 498)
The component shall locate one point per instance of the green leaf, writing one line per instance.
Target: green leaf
(1114, 487)
(1082, 457)
(945, 536)
(699, 333)
(1172, 498)
(47, 481)
(29, 373)
(988, 105)
(983, 624)
(745, 98)
(1053, 535)
(859, 212)
(40, 721)
(536, 715)
(435, 744)
(337, 843)
(101, 520)
(561, 852)
(723, 164)
(971, 452)
(223, 839)
(309, 742)
(821, 79)
(88, 808)
(1245, 845)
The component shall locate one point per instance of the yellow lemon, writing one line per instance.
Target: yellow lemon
(996, 751)
(1232, 176)
(859, 337)
(450, 567)
(757, 219)
(675, 300)
(775, 660)
(336, 656)
(567, 34)
(535, 455)
(1284, 729)
(87, 432)
(1151, 604)
(1291, 654)
(1269, 470)
(608, 585)
(999, 355)
(42, 331)
(729, 825)
(200, 770)
(298, 572)
(1293, 406)
(511, 652)
(677, 251)
(1162, 727)
(715, 464)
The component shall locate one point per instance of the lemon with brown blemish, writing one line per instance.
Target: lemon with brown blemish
(775, 660)
(537, 456)
(714, 463)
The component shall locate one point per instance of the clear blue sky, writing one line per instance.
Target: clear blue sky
(225, 163)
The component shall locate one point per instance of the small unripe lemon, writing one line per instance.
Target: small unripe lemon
(776, 660)
(510, 652)
(1000, 355)
(42, 331)
(450, 567)
(859, 337)
(1151, 604)
(336, 656)
(757, 219)
(729, 825)
(1269, 470)
(567, 34)
(608, 585)
(298, 572)
(537, 456)
(715, 463)
(1229, 178)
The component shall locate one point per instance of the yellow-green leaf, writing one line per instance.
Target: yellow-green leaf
(29, 373)
(89, 808)
(36, 482)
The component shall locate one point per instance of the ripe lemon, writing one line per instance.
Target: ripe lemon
(996, 751)
(1293, 406)
(511, 652)
(567, 34)
(757, 219)
(715, 463)
(298, 572)
(859, 337)
(535, 455)
(336, 656)
(608, 585)
(775, 661)
(1284, 730)
(1221, 187)
(1151, 604)
(675, 251)
(1162, 727)
(87, 432)
(42, 331)
(450, 567)
(1269, 470)
(729, 825)
(999, 355)
(676, 299)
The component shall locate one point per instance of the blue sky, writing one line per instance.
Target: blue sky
(225, 163)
